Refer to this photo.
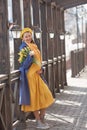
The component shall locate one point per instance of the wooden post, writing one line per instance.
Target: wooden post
(16, 11)
(50, 48)
(64, 53)
(5, 106)
(59, 50)
(62, 42)
(17, 43)
(44, 30)
(73, 63)
(44, 38)
(58, 47)
(55, 46)
(4, 45)
(36, 20)
(27, 13)
(17, 19)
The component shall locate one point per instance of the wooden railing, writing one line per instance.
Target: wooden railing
(9, 108)
(77, 61)
(10, 112)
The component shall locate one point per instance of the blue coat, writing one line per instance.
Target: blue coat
(24, 93)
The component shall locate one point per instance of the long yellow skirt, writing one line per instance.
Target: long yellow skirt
(40, 95)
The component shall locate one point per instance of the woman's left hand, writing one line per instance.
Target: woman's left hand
(39, 71)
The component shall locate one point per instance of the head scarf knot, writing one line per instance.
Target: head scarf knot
(24, 31)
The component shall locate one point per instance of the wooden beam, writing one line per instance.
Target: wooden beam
(70, 3)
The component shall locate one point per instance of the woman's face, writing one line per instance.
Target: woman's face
(27, 37)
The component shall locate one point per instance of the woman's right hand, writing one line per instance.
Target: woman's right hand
(31, 53)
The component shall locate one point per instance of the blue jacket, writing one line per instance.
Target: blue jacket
(24, 93)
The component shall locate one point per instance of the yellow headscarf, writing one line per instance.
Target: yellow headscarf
(24, 31)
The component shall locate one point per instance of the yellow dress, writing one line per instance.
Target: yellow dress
(40, 95)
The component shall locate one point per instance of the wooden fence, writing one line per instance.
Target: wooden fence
(77, 61)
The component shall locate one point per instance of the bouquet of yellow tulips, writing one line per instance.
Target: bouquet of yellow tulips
(23, 54)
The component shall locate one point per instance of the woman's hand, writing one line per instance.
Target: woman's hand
(39, 71)
(31, 53)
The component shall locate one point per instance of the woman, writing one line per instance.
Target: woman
(35, 95)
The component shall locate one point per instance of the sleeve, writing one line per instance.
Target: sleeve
(28, 61)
